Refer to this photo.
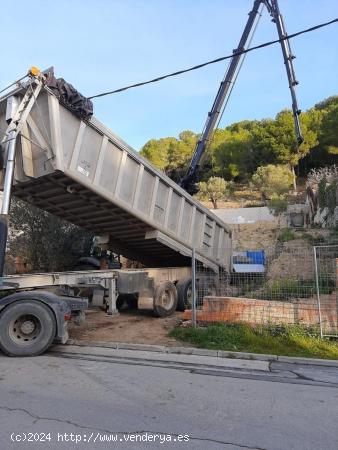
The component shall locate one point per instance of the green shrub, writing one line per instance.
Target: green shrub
(331, 201)
(322, 193)
(286, 235)
(313, 240)
(327, 194)
(292, 289)
(277, 204)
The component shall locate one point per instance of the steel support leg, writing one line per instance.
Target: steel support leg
(112, 297)
(6, 199)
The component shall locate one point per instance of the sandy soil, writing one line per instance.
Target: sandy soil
(129, 326)
(294, 265)
(259, 235)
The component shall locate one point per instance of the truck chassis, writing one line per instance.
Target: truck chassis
(35, 308)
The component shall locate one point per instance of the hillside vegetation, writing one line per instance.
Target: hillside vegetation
(238, 150)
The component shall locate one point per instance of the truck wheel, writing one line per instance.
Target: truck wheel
(27, 328)
(207, 287)
(204, 287)
(184, 294)
(165, 299)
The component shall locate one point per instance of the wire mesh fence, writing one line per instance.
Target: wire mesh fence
(284, 285)
(326, 274)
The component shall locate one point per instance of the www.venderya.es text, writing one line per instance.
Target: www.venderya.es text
(99, 437)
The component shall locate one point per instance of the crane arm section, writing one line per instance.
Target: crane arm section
(188, 182)
(277, 18)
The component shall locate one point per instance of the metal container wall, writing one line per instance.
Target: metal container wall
(87, 175)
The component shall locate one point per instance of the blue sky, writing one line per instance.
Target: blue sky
(100, 45)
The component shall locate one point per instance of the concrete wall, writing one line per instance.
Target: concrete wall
(244, 215)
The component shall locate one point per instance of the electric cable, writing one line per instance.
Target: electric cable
(14, 83)
(214, 61)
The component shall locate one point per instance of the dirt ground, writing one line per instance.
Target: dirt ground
(130, 326)
(258, 235)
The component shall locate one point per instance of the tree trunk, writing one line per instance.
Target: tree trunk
(294, 179)
(214, 202)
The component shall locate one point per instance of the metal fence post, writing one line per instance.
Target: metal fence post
(318, 293)
(193, 287)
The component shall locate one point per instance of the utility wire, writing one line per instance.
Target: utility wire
(15, 82)
(222, 58)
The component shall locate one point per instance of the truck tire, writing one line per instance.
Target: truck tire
(27, 328)
(165, 299)
(204, 287)
(184, 294)
(207, 286)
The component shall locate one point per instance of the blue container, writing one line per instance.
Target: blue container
(256, 256)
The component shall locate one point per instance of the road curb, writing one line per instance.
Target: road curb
(204, 352)
(308, 361)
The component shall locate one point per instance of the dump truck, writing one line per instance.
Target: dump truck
(60, 158)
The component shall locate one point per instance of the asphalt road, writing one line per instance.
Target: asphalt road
(90, 395)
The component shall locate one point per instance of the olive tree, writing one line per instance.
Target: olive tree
(272, 180)
(214, 189)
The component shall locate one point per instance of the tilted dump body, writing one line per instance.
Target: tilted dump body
(84, 173)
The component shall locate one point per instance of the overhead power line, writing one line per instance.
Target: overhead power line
(13, 84)
(214, 61)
